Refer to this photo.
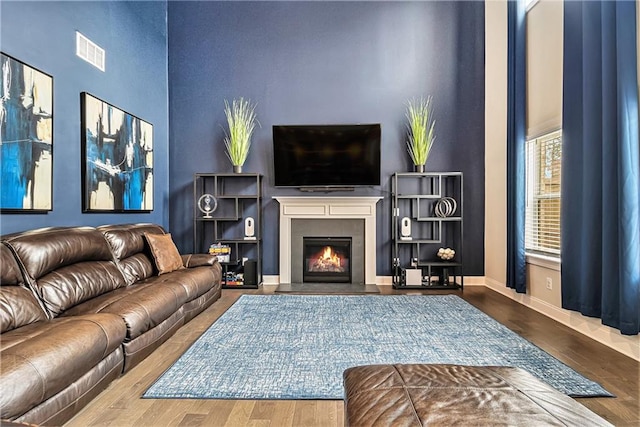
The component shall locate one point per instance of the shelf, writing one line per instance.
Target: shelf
(229, 218)
(426, 174)
(419, 196)
(439, 264)
(236, 196)
(234, 263)
(240, 286)
(414, 196)
(439, 219)
(426, 241)
(239, 196)
(223, 175)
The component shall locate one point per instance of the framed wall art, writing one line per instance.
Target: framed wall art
(117, 153)
(26, 137)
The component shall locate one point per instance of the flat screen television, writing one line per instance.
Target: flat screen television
(326, 155)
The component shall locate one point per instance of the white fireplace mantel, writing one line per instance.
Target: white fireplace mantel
(309, 207)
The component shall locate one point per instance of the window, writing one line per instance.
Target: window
(542, 217)
(545, 25)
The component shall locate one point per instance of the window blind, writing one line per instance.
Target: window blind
(542, 217)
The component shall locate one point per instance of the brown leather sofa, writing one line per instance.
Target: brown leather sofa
(80, 306)
(449, 395)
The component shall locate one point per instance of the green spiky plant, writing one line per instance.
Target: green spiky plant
(420, 130)
(241, 118)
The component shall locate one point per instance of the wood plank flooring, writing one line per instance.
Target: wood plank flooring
(120, 404)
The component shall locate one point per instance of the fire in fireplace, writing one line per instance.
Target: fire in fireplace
(327, 259)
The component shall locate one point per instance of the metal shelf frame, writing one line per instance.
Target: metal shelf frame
(414, 195)
(238, 195)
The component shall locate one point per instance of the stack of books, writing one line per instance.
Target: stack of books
(223, 252)
(234, 279)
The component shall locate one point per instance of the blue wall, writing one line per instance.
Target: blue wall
(134, 35)
(327, 62)
(303, 62)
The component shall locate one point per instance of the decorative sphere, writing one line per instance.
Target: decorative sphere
(446, 253)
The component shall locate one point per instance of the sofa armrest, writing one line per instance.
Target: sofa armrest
(198, 260)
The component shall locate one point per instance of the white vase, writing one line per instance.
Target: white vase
(419, 168)
(237, 168)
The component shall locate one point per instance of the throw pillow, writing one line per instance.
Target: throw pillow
(164, 252)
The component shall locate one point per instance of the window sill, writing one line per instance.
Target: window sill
(545, 261)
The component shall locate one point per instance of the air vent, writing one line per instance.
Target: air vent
(89, 51)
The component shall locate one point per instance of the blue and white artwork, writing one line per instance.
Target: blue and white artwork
(118, 159)
(26, 137)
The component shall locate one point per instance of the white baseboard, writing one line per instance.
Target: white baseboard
(271, 280)
(384, 280)
(474, 281)
(627, 345)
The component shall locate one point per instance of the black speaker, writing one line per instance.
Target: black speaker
(250, 273)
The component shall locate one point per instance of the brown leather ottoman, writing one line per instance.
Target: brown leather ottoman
(423, 394)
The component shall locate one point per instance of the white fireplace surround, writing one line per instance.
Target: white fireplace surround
(309, 207)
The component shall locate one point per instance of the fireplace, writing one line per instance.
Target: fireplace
(326, 259)
(313, 216)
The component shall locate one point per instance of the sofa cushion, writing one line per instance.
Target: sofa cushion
(67, 266)
(196, 281)
(443, 395)
(199, 260)
(128, 239)
(142, 306)
(18, 307)
(61, 407)
(18, 304)
(47, 249)
(10, 274)
(137, 267)
(164, 252)
(149, 307)
(131, 250)
(75, 284)
(43, 358)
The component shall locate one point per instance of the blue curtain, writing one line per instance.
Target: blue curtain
(516, 116)
(600, 169)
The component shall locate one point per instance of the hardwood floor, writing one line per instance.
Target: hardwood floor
(120, 404)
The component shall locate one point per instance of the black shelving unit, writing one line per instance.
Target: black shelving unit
(415, 262)
(237, 197)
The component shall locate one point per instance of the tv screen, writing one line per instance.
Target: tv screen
(326, 155)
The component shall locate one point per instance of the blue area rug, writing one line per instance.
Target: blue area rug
(297, 346)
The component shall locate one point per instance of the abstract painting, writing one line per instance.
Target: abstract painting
(26, 137)
(117, 152)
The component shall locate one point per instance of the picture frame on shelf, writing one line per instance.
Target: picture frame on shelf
(117, 159)
(26, 137)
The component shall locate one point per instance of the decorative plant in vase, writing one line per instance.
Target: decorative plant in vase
(241, 118)
(420, 131)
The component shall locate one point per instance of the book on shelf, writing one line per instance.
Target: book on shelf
(234, 279)
(223, 252)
